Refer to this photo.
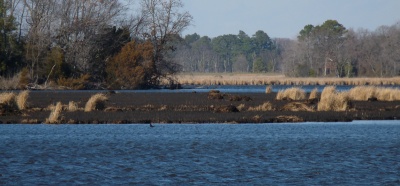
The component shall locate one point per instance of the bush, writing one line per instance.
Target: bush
(80, 83)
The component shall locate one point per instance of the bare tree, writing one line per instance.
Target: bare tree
(160, 22)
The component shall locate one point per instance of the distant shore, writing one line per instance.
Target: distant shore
(276, 79)
(141, 108)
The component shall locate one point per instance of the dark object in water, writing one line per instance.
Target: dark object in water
(151, 125)
(372, 99)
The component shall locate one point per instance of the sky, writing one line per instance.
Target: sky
(285, 18)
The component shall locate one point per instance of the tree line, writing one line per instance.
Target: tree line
(326, 50)
(112, 44)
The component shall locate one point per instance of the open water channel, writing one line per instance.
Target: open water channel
(355, 153)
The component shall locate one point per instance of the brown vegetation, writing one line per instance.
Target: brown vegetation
(96, 102)
(191, 108)
(331, 100)
(291, 94)
(55, 114)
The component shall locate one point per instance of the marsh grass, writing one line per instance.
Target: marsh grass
(55, 114)
(276, 79)
(313, 94)
(267, 106)
(73, 106)
(331, 100)
(291, 94)
(96, 102)
(268, 90)
(364, 93)
(22, 100)
(297, 106)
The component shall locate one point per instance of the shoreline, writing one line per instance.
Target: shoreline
(190, 108)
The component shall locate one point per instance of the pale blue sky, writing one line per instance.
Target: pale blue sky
(285, 18)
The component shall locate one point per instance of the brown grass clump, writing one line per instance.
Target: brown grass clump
(297, 106)
(331, 100)
(21, 100)
(289, 119)
(73, 106)
(96, 102)
(291, 94)
(267, 106)
(362, 93)
(7, 103)
(7, 98)
(55, 114)
(314, 94)
(215, 94)
(241, 107)
(388, 94)
(268, 90)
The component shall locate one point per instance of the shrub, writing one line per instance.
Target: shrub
(55, 114)
(21, 100)
(291, 94)
(96, 102)
(75, 83)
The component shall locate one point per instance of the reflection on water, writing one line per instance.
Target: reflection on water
(357, 153)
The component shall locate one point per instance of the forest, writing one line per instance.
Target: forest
(110, 44)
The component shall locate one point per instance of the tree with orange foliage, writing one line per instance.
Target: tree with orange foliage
(132, 67)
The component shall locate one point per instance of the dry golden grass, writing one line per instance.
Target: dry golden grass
(275, 79)
(55, 114)
(291, 94)
(73, 106)
(363, 93)
(314, 94)
(331, 100)
(241, 107)
(297, 106)
(21, 99)
(96, 102)
(388, 94)
(7, 98)
(267, 106)
(268, 90)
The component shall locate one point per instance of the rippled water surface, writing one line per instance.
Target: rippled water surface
(357, 153)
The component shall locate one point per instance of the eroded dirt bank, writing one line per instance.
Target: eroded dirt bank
(191, 108)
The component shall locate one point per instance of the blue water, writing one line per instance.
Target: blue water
(356, 153)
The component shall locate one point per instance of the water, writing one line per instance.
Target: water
(356, 153)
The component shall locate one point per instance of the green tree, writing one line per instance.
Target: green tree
(227, 47)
